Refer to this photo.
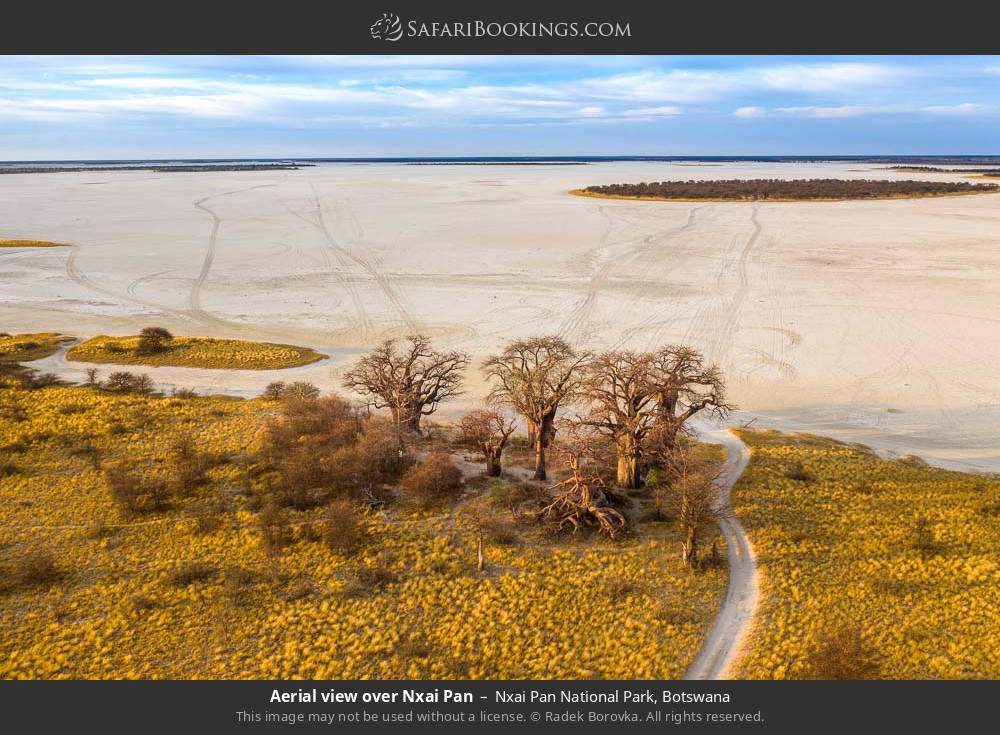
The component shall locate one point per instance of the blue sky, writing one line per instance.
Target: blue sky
(219, 106)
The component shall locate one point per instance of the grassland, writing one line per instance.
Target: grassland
(190, 589)
(198, 352)
(27, 347)
(905, 555)
(6, 243)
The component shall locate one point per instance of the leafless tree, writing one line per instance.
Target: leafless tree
(581, 499)
(683, 385)
(621, 405)
(534, 376)
(694, 497)
(410, 378)
(487, 431)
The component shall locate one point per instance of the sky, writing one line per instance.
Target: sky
(127, 107)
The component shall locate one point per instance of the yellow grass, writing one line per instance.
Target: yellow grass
(34, 346)
(555, 608)
(842, 548)
(5, 243)
(201, 352)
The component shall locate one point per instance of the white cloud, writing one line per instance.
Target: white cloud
(592, 111)
(827, 112)
(662, 111)
(750, 112)
(966, 108)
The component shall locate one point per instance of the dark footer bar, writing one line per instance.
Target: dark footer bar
(220, 707)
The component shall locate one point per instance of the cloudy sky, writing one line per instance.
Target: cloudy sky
(161, 107)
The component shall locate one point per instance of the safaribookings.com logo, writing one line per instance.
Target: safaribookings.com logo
(390, 28)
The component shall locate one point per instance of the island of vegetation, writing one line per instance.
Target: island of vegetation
(300, 535)
(27, 347)
(872, 568)
(783, 190)
(7, 243)
(989, 172)
(156, 168)
(156, 346)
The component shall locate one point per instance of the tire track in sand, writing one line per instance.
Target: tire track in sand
(579, 316)
(194, 299)
(381, 280)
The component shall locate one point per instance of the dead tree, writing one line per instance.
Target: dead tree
(694, 497)
(534, 376)
(682, 386)
(477, 516)
(409, 378)
(622, 406)
(487, 431)
(581, 499)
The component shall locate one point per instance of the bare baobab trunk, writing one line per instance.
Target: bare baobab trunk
(539, 459)
(493, 463)
(543, 435)
(628, 461)
(532, 432)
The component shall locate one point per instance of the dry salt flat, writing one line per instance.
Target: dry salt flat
(871, 321)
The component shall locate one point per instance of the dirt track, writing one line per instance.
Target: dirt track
(721, 649)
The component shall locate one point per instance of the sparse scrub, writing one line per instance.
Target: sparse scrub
(432, 482)
(27, 569)
(191, 572)
(343, 529)
(134, 494)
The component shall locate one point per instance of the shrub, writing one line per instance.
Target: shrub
(300, 390)
(29, 569)
(207, 515)
(152, 340)
(380, 451)
(8, 468)
(275, 533)
(432, 482)
(273, 391)
(369, 580)
(237, 583)
(924, 540)
(87, 450)
(797, 471)
(841, 654)
(120, 380)
(135, 494)
(343, 530)
(190, 572)
(188, 467)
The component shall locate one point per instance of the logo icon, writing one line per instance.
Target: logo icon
(387, 28)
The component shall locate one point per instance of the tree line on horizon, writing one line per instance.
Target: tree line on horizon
(762, 189)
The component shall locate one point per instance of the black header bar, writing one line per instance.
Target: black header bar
(511, 27)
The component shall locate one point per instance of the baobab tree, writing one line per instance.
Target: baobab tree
(410, 378)
(622, 406)
(683, 385)
(534, 376)
(487, 431)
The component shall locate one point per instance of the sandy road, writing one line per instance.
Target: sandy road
(723, 644)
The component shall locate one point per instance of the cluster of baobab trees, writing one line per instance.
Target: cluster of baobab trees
(640, 401)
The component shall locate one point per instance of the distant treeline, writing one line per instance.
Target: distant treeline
(939, 170)
(158, 169)
(751, 189)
